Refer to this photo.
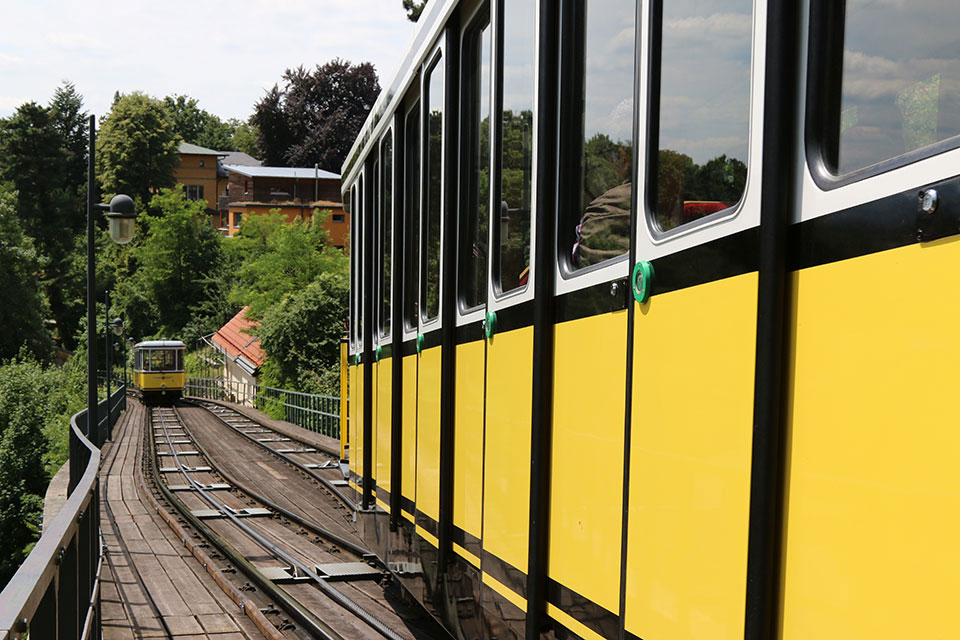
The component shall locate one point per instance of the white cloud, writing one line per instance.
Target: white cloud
(7, 59)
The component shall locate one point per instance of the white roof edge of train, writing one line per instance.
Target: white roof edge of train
(155, 344)
(431, 21)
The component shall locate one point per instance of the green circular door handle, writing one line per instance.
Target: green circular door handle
(490, 324)
(419, 342)
(642, 281)
(379, 352)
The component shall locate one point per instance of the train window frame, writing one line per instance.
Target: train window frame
(434, 62)
(479, 20)
(651, 85)
(375, 229)
(361, 257)
(824, 81)
(566, 278)
(410, 300)
(354, 266)
(496, 299)
(385, 285)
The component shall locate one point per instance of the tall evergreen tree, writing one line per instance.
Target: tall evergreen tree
(70, 121)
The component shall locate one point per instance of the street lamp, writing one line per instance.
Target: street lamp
(122, 216)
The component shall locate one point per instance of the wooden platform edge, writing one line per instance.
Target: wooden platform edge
(246, 605)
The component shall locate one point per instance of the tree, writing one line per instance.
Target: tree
(177, 259)
(33, 159)
(302, 333)
(70, 121)
(196, 125)
(316, 116)
(244, 137)
(23, 479)
(414, 9)
(137, 147)
(25, 310)
(284, 258)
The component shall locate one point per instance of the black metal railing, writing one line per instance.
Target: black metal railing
(311, 411)
(56, 591)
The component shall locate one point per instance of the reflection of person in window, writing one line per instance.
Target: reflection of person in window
(604, 228)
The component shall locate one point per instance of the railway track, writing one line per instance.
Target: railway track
(269, 508)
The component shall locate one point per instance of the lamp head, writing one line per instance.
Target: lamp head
(117, 326)
(123, 219)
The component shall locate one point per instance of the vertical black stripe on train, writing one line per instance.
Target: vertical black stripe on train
(448, 361)
(396, 321)
(637, 207)
(777, 207)
(367, 314)
(541, 422)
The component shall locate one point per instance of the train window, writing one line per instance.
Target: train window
(596, 142)
(476, 163)
(386, 232)
(354, 263)
(411, 215)
(517, 93)
(433, 159)
(377, 248)
(900, 82)
(361, 261)
(703, 110)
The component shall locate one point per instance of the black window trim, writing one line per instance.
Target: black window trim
(388, 216)
(432, 63)
(824, 84)
(652, 137)
(410, 316)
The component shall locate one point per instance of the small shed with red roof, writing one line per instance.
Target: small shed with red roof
(243, 355)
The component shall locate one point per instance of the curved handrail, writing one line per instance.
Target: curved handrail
(56, 591)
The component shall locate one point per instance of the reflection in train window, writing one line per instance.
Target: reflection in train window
(518, 75)
(701, 142)
(377, 246)
(434, 158)
(386, 231)
(411, 216)
(354, 263)
(901, 80)
(476, 163)
(596, 141)
(361, 261)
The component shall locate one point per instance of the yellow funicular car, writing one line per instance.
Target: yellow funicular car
(158, 372)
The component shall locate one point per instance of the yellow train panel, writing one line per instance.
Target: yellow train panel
(506, 484)
(158, 381)
(373, 422)
(468, 439)
(384, 419)
(428, 433)
(356, 462)
(588, 416)
(409, 437)
(873, 481)
(690, 461)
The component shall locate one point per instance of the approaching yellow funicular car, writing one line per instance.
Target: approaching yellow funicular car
(158, 370)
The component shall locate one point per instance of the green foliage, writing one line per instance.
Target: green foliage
(33, 159)
(281, 258)
(302, 333)
(414, 8)
(178, 264)
(244, 137)
(70, 121)
(680, 180)
(137, 147)
(197, 126)
(35, 408)
(316, 116)
(22, 316)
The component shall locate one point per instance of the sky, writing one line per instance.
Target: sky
(224, 54)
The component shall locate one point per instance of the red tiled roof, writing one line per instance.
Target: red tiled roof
(235, 342)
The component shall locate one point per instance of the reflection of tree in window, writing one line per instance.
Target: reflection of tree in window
(704, 109)
(434, 164)
(386, 233)
(900, 85)
(411, 226)
(517, 159)
(476, 183)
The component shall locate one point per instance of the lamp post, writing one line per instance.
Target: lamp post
(126, 358)
(122, 217)
(116, 326)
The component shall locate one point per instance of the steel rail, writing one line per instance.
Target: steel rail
(279, 553)
(306, 523)
(326, 483)
(317, 628)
